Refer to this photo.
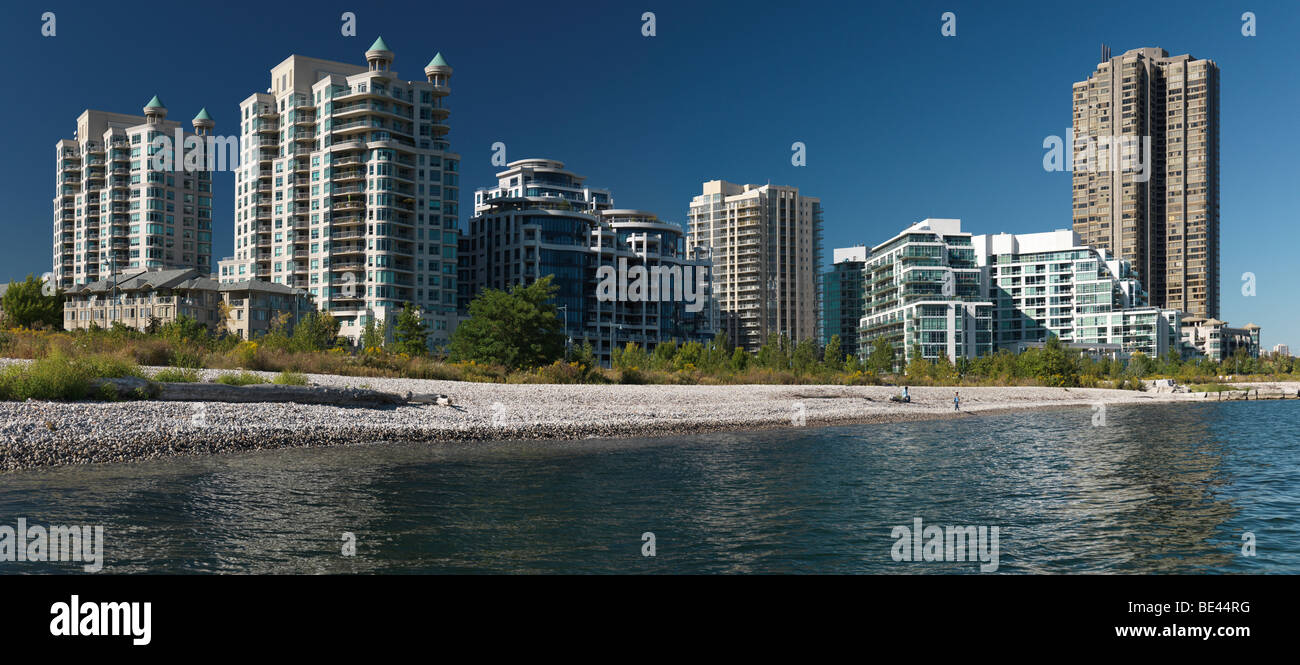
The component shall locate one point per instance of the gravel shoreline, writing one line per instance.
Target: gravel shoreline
(37, 434)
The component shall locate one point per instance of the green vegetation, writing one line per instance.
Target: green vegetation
(517, 336)
(26, 305)
(59, 377)
(316, 331)
(1210, 388)
(411, 334)
(516, 329)
(287, 378)
(240, 379)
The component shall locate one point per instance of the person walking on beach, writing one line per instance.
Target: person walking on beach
(956, 401)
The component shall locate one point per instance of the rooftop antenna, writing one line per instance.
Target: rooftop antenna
(1105, 53)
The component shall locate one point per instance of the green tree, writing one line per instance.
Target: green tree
(804, 356)
(585, 356)
(942, 371)
(1057, 366)
(664, 355)
(1170, 363)
(316, 331)
(833, 357)
(691, 354)
(374, 335)
(739, 360)
(27, 305)
(631, 356)
(1141, 365)
(917, 366)
(411, 334)
(717, 353)
(881, 358)
(277, 337)
(184, 330)
(518, 329)
(775, 353)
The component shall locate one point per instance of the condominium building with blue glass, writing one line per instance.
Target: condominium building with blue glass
(842, 298)
(541, 219)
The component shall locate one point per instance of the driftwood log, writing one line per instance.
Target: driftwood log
(131, 388)
(432, 398)
(269, 392)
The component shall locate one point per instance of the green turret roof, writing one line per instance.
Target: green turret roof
(203, 114)
(379, 45)
(155, 103)
(437, 61)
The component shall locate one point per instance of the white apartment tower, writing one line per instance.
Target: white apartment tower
(348, 188)
(765, 242)
(113, 211)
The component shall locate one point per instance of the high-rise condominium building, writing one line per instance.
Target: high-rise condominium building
(542, 220)
(923, 294)
(765, 242)
(114, 209)
(1161, 214)
(1050, 284)
(948, 294)
(348, 188)
(842, 298)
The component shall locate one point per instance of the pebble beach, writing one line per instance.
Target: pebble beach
(36, 434)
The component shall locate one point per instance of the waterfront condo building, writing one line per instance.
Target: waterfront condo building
(348, 188)
(922, 293)
(140, 298)
(113, 210)
(842, 298)
(1214, 340)
(541, 219)
(1051, 284)
(1161, 213)
(765, 242)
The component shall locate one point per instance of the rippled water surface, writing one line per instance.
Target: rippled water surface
(1158, 489)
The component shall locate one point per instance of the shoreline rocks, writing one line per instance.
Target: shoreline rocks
(38, 434)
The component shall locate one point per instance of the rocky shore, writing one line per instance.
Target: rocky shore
(35, 434)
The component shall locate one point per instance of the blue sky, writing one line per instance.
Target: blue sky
(900, 123)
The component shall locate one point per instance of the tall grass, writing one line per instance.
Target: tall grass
(240, 379)
(59, 377)
(287, 378)
(178, 375)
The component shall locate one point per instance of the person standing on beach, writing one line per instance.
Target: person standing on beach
(956, 401)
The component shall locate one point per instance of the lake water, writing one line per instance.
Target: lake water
(1157, 489)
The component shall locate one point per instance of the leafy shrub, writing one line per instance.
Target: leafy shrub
(561, 372)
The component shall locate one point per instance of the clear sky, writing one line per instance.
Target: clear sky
(900, 123)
